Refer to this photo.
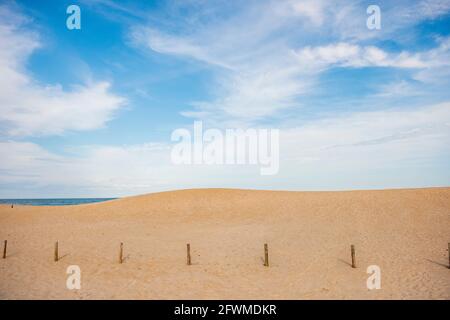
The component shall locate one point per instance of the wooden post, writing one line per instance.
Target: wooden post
(121, 253)
(188, 248)
(449, 255)
(56, 257)
(353, 257)
(4, 249)
(266, 255)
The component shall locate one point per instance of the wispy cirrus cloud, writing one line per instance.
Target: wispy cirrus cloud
(350, 55)
(257, 73)
(266, 57)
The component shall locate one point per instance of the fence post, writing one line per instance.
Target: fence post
(353, 257)
(188, 248)
(4, 249)
(121, 253)
(56, 257)
(266, 255)
(449, 255)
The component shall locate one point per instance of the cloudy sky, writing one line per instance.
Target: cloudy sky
(90, 112)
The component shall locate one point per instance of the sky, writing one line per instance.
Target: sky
(90, 112)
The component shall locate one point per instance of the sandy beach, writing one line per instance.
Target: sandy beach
(404, 232)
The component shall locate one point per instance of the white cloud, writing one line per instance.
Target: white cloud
(346, 20)
(311, 9)
(351, 55)
(164, 43)
(261, 57)
(376, 128)
(265, 57)
(391, 148)
(398, 89)
(431, 8)
(31, 108)
(384, 149)
(257, 74)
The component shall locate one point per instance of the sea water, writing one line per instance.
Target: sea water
(53, 202)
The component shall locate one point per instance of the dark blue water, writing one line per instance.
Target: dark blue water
(53, 202)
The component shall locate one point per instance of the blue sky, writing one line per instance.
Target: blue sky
(90, 112)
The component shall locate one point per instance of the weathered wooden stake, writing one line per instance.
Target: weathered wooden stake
(4, 249)
(266, 255)
(188, 248)
(449, 255)
(353, 257)
(121, 253)
(56, 257)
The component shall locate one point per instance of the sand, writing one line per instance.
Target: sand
(405, 232)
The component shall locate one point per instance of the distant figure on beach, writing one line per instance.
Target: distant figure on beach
(12, 205)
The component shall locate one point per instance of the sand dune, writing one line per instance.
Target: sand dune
(404, 232)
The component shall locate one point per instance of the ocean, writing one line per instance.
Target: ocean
(53, 202)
